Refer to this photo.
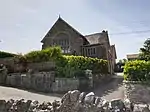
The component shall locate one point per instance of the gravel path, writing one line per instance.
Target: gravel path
(112, 90)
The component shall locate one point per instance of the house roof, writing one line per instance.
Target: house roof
(96, 38)
(89, 45)
(130, 56)
(60, 20)
(93, 38)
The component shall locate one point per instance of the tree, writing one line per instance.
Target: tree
(145, 51)
(122, 62)
(119, 66)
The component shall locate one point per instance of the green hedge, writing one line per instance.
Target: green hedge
(43, 55)
(137, 70)
(66, 66)
(6, 54)
(74, 66)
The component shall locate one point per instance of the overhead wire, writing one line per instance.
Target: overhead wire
(132, 32)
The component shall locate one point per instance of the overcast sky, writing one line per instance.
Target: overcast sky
(23, 23)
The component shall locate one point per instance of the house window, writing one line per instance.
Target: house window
(86, 51)
(89, 51)
(82, 51)
(62, 40)
(63, 43)
(94, 51)
(65, 49)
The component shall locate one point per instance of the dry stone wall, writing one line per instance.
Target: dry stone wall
(65, 84)
(137, 92)
(42, 66)
(14, 66)
(73, 101)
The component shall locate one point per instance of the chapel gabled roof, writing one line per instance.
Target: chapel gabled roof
(60, 20)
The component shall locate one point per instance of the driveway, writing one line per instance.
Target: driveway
(111, 90)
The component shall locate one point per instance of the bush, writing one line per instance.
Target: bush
(6, 54)
(137, 70)
(72, 66)
(66, 66)
(43, 55)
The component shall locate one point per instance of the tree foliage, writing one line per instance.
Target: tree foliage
(6, 54)
(119, 65)
(122, 62)
(145, 51)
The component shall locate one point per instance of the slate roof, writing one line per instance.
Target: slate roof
(97, 37)
(93, 38)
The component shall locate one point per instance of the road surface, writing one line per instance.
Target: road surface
(7, 93)
(112, 90)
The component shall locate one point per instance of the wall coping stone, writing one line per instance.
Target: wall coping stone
(136, 82)
(73, 101)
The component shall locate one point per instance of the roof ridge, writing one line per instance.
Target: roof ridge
(70, 25)
(93, 34)
(62, 20)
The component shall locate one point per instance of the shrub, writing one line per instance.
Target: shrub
(72, 66)
(6, 54)
(137, 70)
(48, 54)
(66, 66)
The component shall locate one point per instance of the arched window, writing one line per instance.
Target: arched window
(62, 40)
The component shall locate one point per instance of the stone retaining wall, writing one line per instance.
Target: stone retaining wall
(65, 84)
(42, 81)
(73, 101)
(47, 82)
(137, 92)
(13, 65)
(42, 66)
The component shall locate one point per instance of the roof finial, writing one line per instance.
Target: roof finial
(59, 16)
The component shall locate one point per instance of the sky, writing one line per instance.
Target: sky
(23, 23)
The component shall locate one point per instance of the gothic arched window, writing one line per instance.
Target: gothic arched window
(62, 40)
